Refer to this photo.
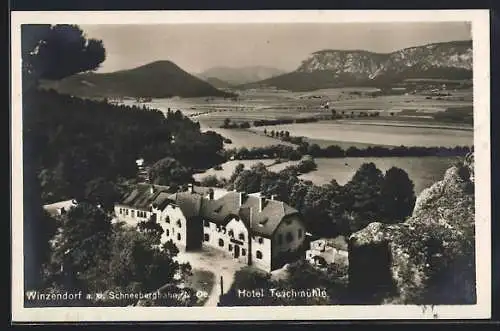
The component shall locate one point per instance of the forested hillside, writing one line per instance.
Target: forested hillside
(74, 141)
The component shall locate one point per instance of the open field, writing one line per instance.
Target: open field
(245, 138)
(380, 134)
(423, 171)
(270, 104)
(404, 119)
(229, 166)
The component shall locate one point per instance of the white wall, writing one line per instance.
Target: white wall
(238, 227)
(126, 215)
(265, 249)
(171, 230)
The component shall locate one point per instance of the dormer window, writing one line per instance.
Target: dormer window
(218, 209)
(263, 222)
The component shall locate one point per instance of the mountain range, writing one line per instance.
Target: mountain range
(160, 79)
(322, 69)
(336, 68)
(242, 75)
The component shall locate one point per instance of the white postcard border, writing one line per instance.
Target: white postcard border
(481, 59)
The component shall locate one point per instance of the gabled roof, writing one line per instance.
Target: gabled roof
(265, 222)
(141, 196)
(233, 204)
(219, 210)
(189, 203)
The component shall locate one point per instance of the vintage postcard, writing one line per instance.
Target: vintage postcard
(262, 165)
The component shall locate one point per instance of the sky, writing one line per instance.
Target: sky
(198, 47)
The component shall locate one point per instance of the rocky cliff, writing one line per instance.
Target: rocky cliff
(370, 65)
(337, 68)
(429, 259)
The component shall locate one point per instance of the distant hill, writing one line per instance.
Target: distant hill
(243, 75)
(161, 79)
(218, 83)
(337, 68)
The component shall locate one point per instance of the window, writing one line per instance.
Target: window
(280, 239)
(243, 252)
(167, 219)
(261, 240)
(206, 223)
(179, 223)
(221, 243)
(231, 233)
(230, 247)
(300, 233)
(258, 254)
(241, 236)
(289, 237)
(167, 232)
(132, 213)
(206, 237)
(178, 236)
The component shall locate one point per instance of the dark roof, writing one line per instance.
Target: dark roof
(219, 211)
(266, 221)
(189, 203)
(262, 222)
(141, 196)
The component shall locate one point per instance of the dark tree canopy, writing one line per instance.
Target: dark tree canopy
(57, 51)
(397, 195)
(169, 171)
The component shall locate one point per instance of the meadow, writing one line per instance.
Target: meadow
(423, 171)
(391, 135)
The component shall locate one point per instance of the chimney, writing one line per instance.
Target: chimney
(191, 188)
(240, 198)
(262, 201)
(211, 194)
(152, 189)
(273, 197)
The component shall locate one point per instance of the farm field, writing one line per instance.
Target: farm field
(342, 144)
(228, 168)
(379, 134)
(271, 104)
(404, 119)
(245, 138)
(423, 171)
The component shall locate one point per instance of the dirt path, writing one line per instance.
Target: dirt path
(213, 261)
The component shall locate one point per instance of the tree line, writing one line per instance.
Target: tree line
(335, 151)
(332, 209)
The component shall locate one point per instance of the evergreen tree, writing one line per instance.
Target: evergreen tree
(364, 191)
(397, 195)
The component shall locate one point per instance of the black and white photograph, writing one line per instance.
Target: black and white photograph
(287, 165)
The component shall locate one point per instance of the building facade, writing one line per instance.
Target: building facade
(250, 229)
